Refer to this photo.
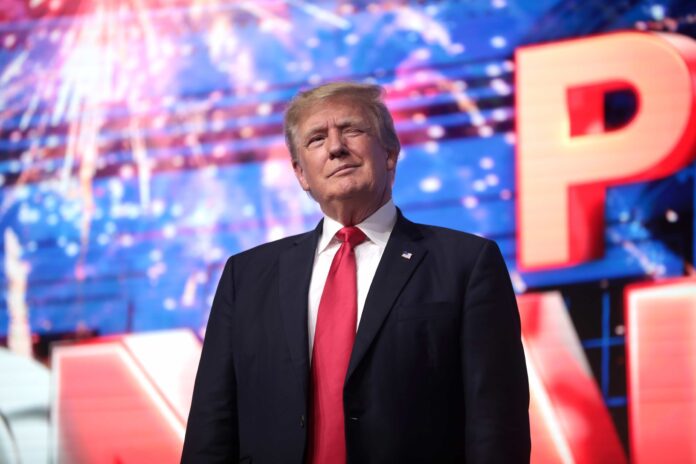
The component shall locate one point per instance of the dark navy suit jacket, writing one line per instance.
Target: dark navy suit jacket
(437, 372)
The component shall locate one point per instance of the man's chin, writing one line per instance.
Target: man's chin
(346, 197)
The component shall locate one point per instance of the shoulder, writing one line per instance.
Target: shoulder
(455, 247)
(452, 238)
(259, 265)
(271, 250)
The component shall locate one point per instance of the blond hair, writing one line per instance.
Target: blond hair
(369, 96)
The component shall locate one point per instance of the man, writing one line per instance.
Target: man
(435, 372)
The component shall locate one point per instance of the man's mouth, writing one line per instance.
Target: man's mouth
(343, 169)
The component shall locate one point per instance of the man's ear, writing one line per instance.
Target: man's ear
(299, 173)
(392, 158)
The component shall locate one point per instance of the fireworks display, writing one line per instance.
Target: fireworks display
(143, 140)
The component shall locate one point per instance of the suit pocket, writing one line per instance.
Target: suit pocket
(429, 310)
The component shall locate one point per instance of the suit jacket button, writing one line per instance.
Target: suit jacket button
(355, 418)
(302, 421)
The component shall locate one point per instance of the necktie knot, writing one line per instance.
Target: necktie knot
(351, 235)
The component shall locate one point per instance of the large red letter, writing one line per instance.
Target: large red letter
(123, 399)
(569, 422)
(661, 331)
(565, 156)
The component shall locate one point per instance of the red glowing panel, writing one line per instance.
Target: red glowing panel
(661, 331)
(569, 421)
(125, 399)
(170, 361)
(565, 156)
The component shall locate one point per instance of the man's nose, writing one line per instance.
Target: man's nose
(335, 144)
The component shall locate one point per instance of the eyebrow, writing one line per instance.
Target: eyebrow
(342, 124)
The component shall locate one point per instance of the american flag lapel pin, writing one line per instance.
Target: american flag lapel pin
(406, 255)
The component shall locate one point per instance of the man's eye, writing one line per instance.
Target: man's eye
(353, 131)
(314, 141)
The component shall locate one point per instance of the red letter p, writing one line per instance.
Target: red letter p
(565, 155)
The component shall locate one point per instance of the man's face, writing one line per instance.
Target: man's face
(340, 158)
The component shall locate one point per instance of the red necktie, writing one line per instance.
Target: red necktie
(333, 344)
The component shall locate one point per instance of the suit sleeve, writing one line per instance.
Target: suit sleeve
(212, 430)
(495, 375)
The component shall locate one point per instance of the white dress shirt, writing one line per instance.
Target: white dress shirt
(378, 227)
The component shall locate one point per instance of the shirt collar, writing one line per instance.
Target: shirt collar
(377, 227)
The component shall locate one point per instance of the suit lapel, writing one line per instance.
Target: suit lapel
(400, 259)
(295, 271)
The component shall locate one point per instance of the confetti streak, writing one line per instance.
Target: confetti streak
(16, 270)
(321, 14)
